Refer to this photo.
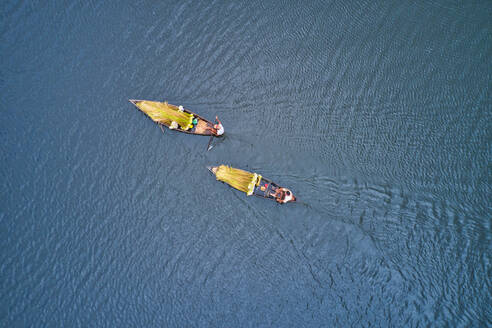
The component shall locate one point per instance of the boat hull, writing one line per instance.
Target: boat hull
(203, 127)
(265, 188)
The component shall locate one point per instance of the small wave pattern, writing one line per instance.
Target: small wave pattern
(376, 115)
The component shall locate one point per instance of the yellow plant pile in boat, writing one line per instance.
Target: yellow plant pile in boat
(241, 180)
(162, 112)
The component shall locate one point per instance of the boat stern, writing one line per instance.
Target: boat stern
(212, 169)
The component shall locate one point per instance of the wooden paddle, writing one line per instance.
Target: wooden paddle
(209, 142)
(211, 137)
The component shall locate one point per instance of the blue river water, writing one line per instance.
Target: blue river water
(377, 114)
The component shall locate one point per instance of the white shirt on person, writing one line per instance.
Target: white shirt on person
(220, 130)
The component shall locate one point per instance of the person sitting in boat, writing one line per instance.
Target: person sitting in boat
(283, 195)
(218, 129)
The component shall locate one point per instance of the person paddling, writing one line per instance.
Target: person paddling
(218, 129)
(283, 195)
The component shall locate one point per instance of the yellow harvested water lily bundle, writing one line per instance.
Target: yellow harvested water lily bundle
(162, 112)
(241, 180)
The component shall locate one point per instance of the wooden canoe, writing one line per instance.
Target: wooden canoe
(264, 188)
(203, 126)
